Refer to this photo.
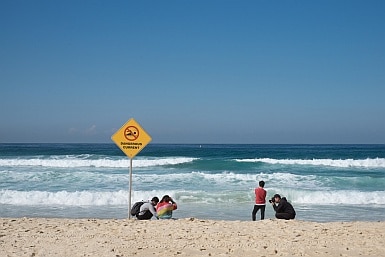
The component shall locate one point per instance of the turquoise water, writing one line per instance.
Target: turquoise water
(323, 182)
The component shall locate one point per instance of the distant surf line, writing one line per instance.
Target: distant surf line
(342, 163)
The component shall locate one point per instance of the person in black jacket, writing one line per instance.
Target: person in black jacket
(284, 210)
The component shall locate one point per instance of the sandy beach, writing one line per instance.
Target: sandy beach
(188, 237)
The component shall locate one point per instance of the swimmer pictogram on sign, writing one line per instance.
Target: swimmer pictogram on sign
(131, 133)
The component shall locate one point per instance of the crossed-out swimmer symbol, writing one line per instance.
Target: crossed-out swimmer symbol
(131, 133)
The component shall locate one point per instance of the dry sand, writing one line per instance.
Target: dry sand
(188, 237)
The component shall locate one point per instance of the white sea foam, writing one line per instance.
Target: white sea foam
(229, 179)
(76, 180)
(79, 198)
(80, 161)
(365, 163)
(332, 197)
(91, 198)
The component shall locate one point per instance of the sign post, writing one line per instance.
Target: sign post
(131, 138)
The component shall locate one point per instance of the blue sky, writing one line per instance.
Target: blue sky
(193, 71)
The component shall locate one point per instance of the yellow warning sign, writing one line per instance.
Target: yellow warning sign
(131, 138)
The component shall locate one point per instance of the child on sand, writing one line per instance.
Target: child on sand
(260, 201)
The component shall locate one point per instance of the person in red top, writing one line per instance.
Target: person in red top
(260, 201)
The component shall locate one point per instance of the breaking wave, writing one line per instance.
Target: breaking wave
(86, 161)
(364, 163)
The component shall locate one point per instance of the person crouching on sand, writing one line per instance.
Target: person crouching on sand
(284, 210)
(165, 207)
(147, 210)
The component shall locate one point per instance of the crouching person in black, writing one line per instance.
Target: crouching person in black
(147, 210)
(284, 210)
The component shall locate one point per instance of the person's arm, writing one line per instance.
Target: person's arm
(275, 207)
(153, 211)
(264, 196)
(174, 206)
(280, 207)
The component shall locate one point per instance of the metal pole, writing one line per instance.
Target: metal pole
(129, 194)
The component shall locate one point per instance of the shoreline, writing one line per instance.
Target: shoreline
(188, 237)
(330, 213)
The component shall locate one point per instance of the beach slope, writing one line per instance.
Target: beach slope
(188, 237)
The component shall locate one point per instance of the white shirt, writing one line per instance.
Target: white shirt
(147, 207)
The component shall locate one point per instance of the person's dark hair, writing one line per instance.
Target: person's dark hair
(155, 199)
(165, 198)
(277, 195)
(261, 183)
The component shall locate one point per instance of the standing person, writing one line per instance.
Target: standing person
(147, 210)
(165, 207)
(260, 201)
(284, 210)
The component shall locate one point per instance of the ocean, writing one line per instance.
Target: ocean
(323, 182)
